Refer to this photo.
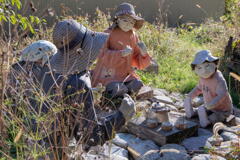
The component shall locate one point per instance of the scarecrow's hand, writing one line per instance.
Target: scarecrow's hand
(127, 51)
(143, 48)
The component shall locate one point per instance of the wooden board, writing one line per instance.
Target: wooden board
(138, 127)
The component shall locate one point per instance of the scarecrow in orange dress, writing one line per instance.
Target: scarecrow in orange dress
(122, 54)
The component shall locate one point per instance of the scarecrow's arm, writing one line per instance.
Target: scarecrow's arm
(141, 58)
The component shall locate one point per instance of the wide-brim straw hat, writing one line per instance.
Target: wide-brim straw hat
(128, 9)
(78, 47)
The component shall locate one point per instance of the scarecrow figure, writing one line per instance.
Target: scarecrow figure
(78, 47)
(122, 54)
(217, 101)
(25, 76)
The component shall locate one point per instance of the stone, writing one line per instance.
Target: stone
(173, 152)
(163, 99)
(145, 93)
(122, 139)
(179, 105)
(153, 67)
(228, 136)
(137, 147)
(142, 105)
(207, 157)
(160, 92)
(142, 148)
(107, 151)
(172, 107)
(204, 132)
(196, 143)
(114, 152)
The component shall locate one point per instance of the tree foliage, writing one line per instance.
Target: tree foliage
(9, 13)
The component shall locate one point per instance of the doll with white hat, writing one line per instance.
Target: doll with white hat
(33, 58)
(212, 85)
(122, 54)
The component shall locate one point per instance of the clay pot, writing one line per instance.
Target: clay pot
(181, 123)
(151, 123)
(166, 126)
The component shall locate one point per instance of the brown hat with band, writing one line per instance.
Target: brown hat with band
(128, 9)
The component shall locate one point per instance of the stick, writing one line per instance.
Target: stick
(234, 75)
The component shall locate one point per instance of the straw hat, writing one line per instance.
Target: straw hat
(78, 47)
(39, 50)
(203, 56)
(128, 9)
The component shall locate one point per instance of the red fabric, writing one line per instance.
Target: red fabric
(111, 66)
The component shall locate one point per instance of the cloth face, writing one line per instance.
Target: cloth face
(126, 23)
(38, 50)
(205, 70)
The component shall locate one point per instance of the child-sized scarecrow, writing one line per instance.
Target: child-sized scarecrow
(217, 101)
(25, 76)
(122, 54)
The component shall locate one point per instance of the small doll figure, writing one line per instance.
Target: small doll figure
(217, 101)
(122, 54)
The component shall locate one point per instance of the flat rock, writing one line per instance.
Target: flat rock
(172, 107)
(107, 151)
(204, 132)
(163, 99)
(207, 157)
(122, 139)
(143, 148)
(139, 149)
(142, 105)
(228, 136)
(114, 152)
(160, 92)
(145, 93)
(173, 152)
(179, 105)
(196, 143)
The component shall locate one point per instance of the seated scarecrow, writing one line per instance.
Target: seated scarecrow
(78, 47)
(24, 78)
(217, 101)
(122, 54)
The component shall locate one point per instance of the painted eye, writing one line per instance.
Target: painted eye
(40, 49)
